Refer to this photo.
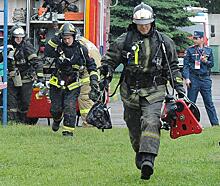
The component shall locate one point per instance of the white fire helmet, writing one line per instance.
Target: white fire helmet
(143, 14)
(18, 32)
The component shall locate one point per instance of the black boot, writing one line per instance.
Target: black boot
(138, 160)
(147, 166)
(56, 125)
(67, 133)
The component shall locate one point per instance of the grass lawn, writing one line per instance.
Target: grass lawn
(34, 155)
(112, 88)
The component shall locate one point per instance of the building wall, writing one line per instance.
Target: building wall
(214, 20)
(214, 42)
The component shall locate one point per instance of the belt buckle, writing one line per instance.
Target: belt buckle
(135, 91)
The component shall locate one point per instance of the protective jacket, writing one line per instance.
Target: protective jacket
(23, 67)
(26, 61)
(70, 63)
(145, 70)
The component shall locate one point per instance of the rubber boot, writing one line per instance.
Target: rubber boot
(67, 133)
(138, 160)
(147, 166)
(56, 125)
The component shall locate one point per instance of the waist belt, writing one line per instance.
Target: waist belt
(200, 75)
(150, 82)
(56, 82)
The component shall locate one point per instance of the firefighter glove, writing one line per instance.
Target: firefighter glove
(11, 54)
(40, 78)
(106, 71)
(181, 91)
(63, 59)
(104, 83)
(94, 93)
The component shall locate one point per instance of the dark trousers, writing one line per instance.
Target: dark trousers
(19, 101)
(204, 86)
(144, 126)
(63, 103)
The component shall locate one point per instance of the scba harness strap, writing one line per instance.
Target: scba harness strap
(131, 51)
(136, 77)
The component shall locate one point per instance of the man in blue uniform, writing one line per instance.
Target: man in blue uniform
(198, 62)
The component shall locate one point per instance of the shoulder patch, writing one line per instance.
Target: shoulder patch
(191, 46)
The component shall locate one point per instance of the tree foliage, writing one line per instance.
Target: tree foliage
(213, 6)
(170, 15)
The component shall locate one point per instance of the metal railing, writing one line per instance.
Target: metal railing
(5, 38)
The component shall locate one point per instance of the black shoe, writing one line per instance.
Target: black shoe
(67, 133)
(138, 160)
(147, 169)
(214, 125)
(56, 125)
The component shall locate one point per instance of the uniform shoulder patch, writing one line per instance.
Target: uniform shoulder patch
(191, 46)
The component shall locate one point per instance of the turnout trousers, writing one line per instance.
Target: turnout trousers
(85, 104)
(144, 126)
(19, 101)
(63, 104)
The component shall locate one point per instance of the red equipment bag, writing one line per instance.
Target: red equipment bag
(181, 116)
(39, 105)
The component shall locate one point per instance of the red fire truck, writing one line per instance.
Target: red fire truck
(92, 17)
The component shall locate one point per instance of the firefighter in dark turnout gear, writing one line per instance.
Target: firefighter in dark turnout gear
(143, 87)
(71, 58)
(24, 67)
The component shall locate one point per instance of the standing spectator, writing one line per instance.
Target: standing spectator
(71, 58)
(143, 86)
(197, 65)
(55, 27)
(23, 67)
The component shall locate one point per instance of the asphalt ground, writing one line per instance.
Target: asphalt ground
(116, 107)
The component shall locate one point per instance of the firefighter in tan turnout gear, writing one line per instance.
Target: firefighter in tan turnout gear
(85, 103)
(71, 58)
(143, 87)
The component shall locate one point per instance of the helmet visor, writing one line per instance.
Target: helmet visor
(143, 21)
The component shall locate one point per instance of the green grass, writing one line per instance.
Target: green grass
(34, 155)
(113, 85)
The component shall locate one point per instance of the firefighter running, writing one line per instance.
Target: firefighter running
(71, 58)
(143, 86)
(85, 103)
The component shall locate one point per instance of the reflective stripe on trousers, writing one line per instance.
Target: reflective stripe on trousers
(144, 126)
